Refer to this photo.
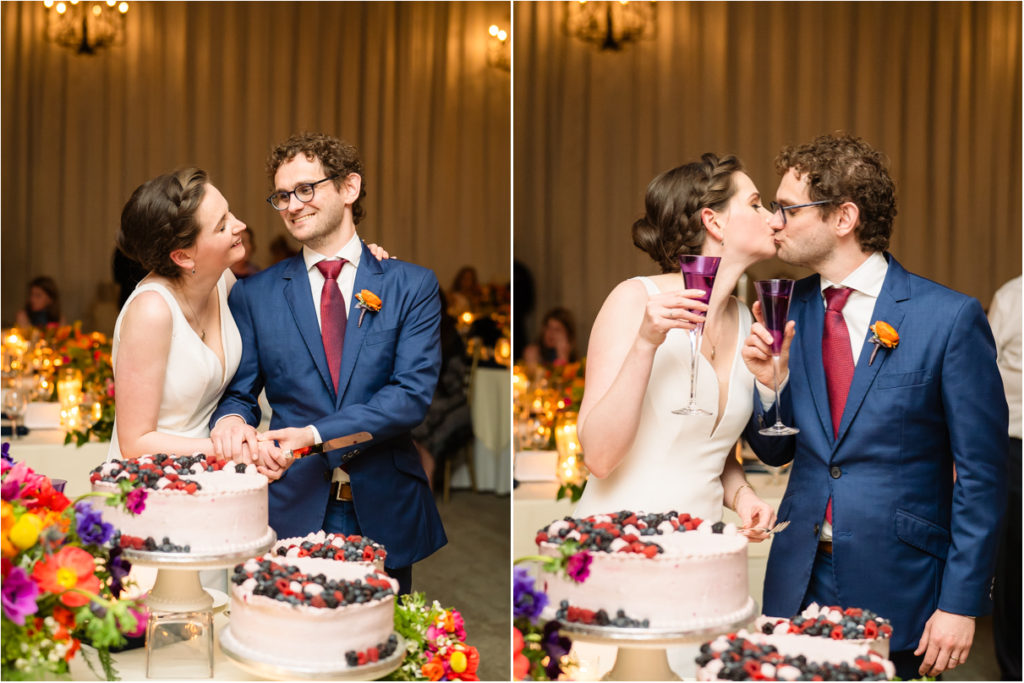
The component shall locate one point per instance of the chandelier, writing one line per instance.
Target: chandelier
(609, 24)
(85, 26)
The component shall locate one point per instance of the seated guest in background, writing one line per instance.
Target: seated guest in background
(557, 342)
(42, 304)
(466, 293)
(447, 426)
(280, 249)
(127, 274)
(246, 267)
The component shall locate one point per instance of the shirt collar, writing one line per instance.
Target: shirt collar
(351, 252)
(867, 278)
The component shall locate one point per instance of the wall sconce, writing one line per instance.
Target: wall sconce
(610, 24)
(85, 26)
(498, 48)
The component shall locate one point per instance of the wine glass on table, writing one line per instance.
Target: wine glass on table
(14, 404)
(774, 296)
(698, 273)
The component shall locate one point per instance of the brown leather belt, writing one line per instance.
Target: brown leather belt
(341, 491)
(825, 546)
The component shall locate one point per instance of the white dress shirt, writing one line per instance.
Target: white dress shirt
(1004, 315)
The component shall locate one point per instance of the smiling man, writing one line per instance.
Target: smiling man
(343, 344)
(897, 484)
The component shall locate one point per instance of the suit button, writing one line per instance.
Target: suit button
(354, 451)
(817, 530)
(835, 472)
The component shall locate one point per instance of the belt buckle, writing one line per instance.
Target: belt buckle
(339, 490)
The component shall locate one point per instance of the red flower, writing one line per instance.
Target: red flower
(70, 568)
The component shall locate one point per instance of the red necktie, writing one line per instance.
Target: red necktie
(332, 316)
(837, 355)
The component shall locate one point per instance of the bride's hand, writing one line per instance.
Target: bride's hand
(755, 514)
(270, 462)
(379, 252)
(757, 349)
(679, 310)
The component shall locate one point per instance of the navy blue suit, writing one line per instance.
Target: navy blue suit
(389, 369)
(906, 538)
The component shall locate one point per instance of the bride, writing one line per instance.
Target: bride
(642, 456)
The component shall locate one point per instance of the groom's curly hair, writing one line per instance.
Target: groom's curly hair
(339, 158)
(671, 226)
(160, 218)
(845, 168)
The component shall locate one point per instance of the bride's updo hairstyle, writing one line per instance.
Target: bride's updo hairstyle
(672, 226)
(160, 219)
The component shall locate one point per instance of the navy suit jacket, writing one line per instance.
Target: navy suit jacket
(906, 538)
(389, 369)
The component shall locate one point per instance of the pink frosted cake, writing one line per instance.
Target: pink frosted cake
(332, 547)
(853, 624)
(759, 656)
(194, 504)
(311, 614)
(654, 571)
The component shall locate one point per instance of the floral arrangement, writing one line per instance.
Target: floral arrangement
(367, 301)
(62, 576)
(435, 638)
(539, 651)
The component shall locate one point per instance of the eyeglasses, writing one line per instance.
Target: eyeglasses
(775, 207)
(303, 192)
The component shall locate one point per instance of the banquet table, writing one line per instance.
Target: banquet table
(491, 411)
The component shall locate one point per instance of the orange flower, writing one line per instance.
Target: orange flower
(433, 670)
(370, 300)
(7, 517)
(882, 334)
(70, 568)
(464, 661)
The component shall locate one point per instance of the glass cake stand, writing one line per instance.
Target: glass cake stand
(179, 632)
(642, 652)
(265, 666)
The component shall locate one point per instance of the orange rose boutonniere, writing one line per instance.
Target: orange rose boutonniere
(882, 334)
(367, 301)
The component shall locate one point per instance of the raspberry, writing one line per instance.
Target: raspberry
(541, 537)
(191, 487)
(651, 550)
(373, 653)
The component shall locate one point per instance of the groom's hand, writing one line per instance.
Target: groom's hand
(233, 438)
(289, 439)
(946, 642)
(757, 350)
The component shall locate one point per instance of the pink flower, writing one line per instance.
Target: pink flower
(136, 501)
(578, 566)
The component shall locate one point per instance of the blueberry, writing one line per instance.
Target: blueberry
(718, 527)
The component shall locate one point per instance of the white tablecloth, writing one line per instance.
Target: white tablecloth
(491, 410)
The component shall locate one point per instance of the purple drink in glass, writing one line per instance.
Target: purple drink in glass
(774, 296)
(698, 273)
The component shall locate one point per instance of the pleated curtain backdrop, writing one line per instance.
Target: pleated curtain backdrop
(217, 85)
(936, 86)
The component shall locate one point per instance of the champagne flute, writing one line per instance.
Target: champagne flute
(14, 405)
(774, 296)
(698, 273)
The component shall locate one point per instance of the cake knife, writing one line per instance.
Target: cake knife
(330, 445)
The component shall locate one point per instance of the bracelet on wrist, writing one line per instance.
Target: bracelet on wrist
(736, 496)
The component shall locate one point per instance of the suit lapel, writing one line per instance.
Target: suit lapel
(811, 328)
(297, 294)
(369, 275)
(888, 307)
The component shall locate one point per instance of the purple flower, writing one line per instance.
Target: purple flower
(5, 453)
(136, 501)
(118, 568)
(526, 601)
(90, 525)
(557, 646)
(578, 566)
(19, 596)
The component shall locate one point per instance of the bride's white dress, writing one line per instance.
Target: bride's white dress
(195, 378)
(676, 461)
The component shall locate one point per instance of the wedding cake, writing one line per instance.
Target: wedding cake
(311, 614)
(194, 504)
(790, 657)
(664, 571)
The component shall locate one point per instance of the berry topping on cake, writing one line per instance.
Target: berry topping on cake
(837, 623)
(743, 656)
(288, 583)
(330, 546)
(626, 531)
(162, 472)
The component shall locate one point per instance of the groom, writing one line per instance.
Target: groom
(334, 364)
(897, 485)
